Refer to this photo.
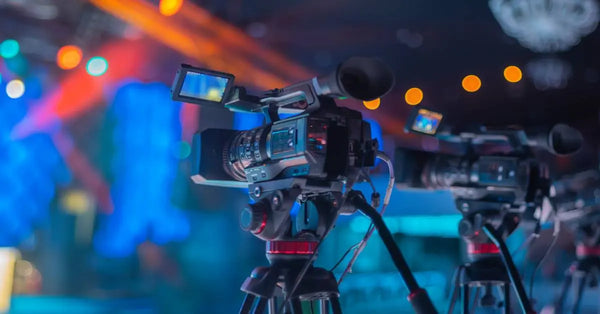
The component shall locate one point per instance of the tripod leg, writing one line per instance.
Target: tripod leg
(273, 305)
(288, 308)
(506, 298)
(335, 305)
(511, 269)
(579, 292)
(260, 307)
(247, 304)
(453, 298)
(322, 306)
(296, 306)
(465, 298)
(476, 298)
(455, 289)
(564, 290)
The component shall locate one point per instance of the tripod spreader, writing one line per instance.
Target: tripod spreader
(418, 297)
(511, 269)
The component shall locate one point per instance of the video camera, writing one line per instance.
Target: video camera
(496, 181)
(576, 202)
(307, 162)
(577, 197)
(486, 168)
(309, 155)
(321, 141)
(492, 173)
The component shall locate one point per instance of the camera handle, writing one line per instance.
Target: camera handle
(418, 297)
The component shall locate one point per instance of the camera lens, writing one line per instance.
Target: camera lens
(245, 148)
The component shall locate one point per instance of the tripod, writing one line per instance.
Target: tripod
(269, 283)
(485, 272)
(288, 258)
(491, 267)
(585, 270)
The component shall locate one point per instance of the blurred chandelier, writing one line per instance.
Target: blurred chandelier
(546, 25)
(549, 73)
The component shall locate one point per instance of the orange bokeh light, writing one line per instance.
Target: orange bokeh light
(413, 96)
(169, 7)
(68, 57)
(513, 74)
(372, 104)
(471, 83)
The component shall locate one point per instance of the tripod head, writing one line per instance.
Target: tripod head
(470, 228)
(291, 209)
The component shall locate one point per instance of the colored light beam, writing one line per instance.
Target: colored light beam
(196, 41)
(214, 43)
(79, 92)
(234, 37)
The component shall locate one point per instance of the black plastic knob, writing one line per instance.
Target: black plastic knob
(466, 228)
(253, 218)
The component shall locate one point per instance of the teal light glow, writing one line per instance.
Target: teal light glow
(360, 289)
(97, 66)
(181, 150)
(9, 48)
(445, 226)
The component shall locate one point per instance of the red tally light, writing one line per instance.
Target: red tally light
(291, 247)
(482, 248)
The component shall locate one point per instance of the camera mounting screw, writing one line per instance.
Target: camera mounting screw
(275, 202)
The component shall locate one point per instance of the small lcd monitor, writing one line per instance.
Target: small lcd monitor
(425, 121)
(201, 86)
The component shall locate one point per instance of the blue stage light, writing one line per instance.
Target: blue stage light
(147, 127)
(30, 168)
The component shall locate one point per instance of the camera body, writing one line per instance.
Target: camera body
(321, 145)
